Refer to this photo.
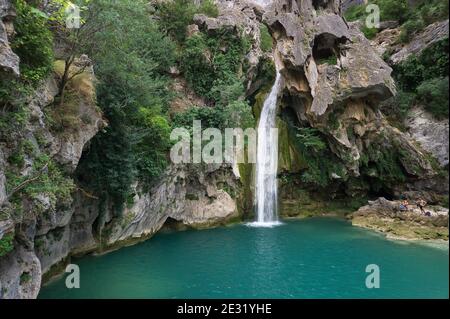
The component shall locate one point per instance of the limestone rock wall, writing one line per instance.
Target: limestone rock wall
(332, 72)
(41, 218)
(9, 62)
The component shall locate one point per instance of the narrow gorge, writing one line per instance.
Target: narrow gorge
(85, 139)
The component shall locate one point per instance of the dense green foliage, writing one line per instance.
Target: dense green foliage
(423, 79)
(212, 65)
(321, 162)
(33, 42)
(381, 163)
(413, 18)
(176, 15)
(133, 93)
(433, 94)
(6, 244)
(433, 62)
(266, 38)
(238, 114)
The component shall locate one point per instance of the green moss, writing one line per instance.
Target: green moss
(6, 244)
(289, 159)
(331, 60)
(382, 163)
(245, 198)
(266, 38)
(25, 278)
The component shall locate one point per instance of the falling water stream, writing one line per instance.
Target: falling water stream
(267, 161)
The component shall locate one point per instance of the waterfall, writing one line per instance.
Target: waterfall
(266, 195)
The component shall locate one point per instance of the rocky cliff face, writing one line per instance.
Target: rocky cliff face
(334, 81)
(429, 132)
(9, 62)
(44, 214)
(49, 230)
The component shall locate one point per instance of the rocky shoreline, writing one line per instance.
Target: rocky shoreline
(385, 216)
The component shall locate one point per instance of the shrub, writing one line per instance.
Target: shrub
(433, 94)
(394, 9)
(431, 63)
(6, 244)
(266, 38)
(313, 147)
(369, 33)
(33, 42)
(176, 15)
(210, 117)
(209, 8)
(409, 28)
(211, 63)
(382, 165)
(198, 69)
(355, 13)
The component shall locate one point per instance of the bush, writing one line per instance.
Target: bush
(394, 10)
(412, 17)
(369, 33)
(355, 13)
(198, 69)
(133, 93)
(434, 10)
(409, 28)
(313, 147)
(33, 42)
(6, 244)
(382, 163)
(209, 8)
(433, 62)
(266, 38)
(210, 117)
(433, 94)
(176, 15)
(213, 62)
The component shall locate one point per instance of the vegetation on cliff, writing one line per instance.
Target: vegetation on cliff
(422, 79)
(412, 18)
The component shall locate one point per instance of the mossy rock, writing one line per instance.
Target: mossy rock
(289, 159)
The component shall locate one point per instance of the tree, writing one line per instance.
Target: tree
(72, 40)
(132, 61)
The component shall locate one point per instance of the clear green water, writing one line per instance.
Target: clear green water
(314, 258)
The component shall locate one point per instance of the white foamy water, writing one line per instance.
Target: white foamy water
(266, 194)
